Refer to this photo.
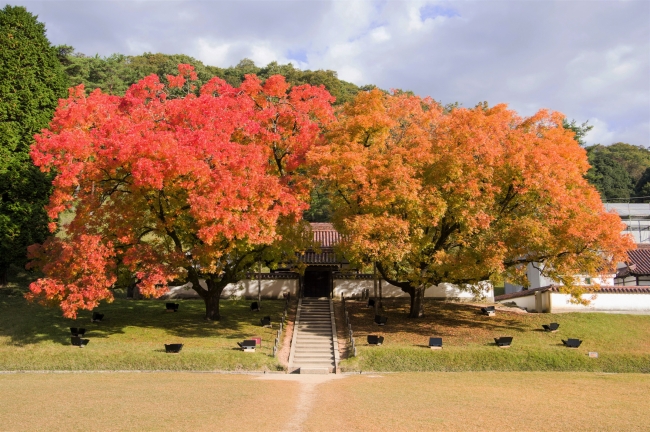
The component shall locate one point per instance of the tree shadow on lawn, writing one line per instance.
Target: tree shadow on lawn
(442, 319)
(28, 323)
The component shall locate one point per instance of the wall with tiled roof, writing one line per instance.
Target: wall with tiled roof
(639, 261)
(604, 289)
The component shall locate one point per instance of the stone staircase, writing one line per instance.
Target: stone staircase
(314, 347)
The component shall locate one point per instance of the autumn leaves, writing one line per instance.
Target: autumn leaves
(170, 184)
(463, 196)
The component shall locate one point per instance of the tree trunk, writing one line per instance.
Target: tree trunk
(211, 298)
(259, 284)
(4, 279)
(374, 284)
(417, 302)
(381, 297)
(212, 307)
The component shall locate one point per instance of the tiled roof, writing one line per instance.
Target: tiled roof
(639, 261)
(325, 234)
(604, 289)
(327, 256)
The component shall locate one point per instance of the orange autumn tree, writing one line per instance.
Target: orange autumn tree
(172, 184)
(463, 196)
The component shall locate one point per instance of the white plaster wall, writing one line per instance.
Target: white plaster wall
(271, 288)
(511, 288)
(536, 280)
(527, 302)
(603, 302)
(355, 287)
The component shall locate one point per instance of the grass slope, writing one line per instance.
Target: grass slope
(132, 337)
(622, 341)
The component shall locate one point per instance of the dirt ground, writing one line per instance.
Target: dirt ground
(485, 401)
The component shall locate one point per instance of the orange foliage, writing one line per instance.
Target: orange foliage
(464, 196)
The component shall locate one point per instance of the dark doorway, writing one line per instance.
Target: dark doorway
(317, 282)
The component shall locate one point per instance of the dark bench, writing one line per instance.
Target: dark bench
(97, 317)
(247, 345)
(371, 303)
(572, 343)
(375, 340)
(77, 341)
(171, 307)
(380, 320)
(255, 307)
(173, 348)
(435, 343)
(552, 327)
(488, 310)
(77, 331)
(266, 321)
(503, 342)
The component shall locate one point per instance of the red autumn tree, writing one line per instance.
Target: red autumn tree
(172, 185)
(463, 196)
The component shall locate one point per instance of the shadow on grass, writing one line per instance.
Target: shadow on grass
(441, 319)
(26, 323)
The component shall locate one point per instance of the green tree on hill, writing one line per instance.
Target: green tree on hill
(618, 170)
(114, 74)
(31, 85)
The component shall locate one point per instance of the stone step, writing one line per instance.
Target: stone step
(310, 356)
(308, 327)
(310, 349)
(315, 370)
(313, 364)
(314, 339)
(314, 335)
(313, 344)
(308, 353)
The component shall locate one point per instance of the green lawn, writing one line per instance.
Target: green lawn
(621, 341)
(132, 337)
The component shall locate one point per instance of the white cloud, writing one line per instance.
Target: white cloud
(600, 134)
(589, 60)
(380, 34)
(212, 52)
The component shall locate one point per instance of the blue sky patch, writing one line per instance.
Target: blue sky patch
(297, 54)
(433, 11)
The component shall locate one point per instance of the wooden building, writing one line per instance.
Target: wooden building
(636, 270)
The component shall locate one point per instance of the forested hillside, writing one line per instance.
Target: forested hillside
(620, 171)
(116, 73)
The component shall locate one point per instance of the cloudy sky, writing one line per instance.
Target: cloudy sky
(587, 59)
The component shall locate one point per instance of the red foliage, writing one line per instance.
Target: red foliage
(166, 185)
